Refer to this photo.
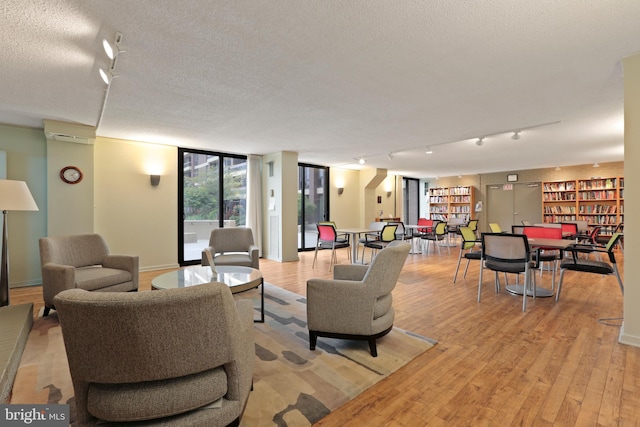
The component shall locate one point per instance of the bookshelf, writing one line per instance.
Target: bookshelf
(599, 201)
(446, 203)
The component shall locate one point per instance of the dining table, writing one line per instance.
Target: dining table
(536, 243)
(355, 234)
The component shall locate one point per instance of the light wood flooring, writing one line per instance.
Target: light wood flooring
(493, 365)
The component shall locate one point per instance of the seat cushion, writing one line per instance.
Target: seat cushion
(506, 267)
(155, 399)
(588, 266)
(97, 277)
(241, 259)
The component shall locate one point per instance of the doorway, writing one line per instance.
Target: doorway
(510, 204)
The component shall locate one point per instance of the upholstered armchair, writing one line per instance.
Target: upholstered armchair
(83, 261)
(357, 303)
(175, 357)
(232, 246)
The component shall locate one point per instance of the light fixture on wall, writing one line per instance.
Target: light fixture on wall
(596, 165)
(389, 194)
(14, 196)
(516, 135)
(480, 141)
(340, 190)
(155, 180)
(429, 150)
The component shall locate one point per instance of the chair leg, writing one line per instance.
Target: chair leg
(527, 283)
(560, 284)
(615, 268)
(480, 280)
(315, 256)
(466, 268)
(313, 339)
(458, 266)
(46, 311)
(372, 347)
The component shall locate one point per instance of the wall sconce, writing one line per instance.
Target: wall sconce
(155, 180)
(340, 190)
(388, 193)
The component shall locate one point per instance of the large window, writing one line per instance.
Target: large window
(313, 203)
(213, 193)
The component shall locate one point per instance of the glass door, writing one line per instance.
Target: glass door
(410, 200)
(212, 194)
(313, 203)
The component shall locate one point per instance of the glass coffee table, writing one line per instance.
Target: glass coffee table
(237, 278)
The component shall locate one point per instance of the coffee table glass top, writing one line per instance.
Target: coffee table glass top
(238, 278)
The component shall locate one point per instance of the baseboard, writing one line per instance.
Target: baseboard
(632, 340)
(159, 267)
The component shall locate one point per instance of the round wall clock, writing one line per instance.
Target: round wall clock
(71, 174)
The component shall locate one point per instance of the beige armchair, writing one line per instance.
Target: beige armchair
(232, 246)
(357, 303)
(83, 261)
(175, 357)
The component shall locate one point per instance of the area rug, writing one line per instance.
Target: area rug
(293, 386)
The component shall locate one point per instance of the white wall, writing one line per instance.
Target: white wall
(134, 217)
(630, 332)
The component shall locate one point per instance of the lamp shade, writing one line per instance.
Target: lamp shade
(15, 196)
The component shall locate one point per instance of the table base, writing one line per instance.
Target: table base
(519, 289)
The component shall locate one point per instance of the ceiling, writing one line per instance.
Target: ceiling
(333, 80)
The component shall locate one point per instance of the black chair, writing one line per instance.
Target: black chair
(375, 243)
(438, 234)
(586, 265)
(508, 253)
(469, 249)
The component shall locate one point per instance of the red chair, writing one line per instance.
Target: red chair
(551, 255)
(328, 239)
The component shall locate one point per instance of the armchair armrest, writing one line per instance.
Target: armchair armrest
(55, 279)
(351, 272)
(254, 253)
(128, 263)
(209, 249)
(244, 353)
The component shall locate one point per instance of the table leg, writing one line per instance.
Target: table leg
(261, 303)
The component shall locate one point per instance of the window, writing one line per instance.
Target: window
(213, 193)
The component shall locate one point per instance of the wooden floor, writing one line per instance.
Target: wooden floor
(493, 365)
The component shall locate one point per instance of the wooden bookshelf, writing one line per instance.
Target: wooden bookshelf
(446, 203)
(599, 201)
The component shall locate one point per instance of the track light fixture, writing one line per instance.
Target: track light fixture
(361, 161)
(390, 156)
(429, 151)
(106, 76)
(516, 135)
(480, 141)
(112, 51)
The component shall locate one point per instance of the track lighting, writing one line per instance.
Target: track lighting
(390, 156)
(516, 135)
(106, 76)
(480, 141)
(112, 50)
(361, 161)
(429, 151)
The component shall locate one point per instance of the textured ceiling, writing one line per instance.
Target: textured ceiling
(333, 80)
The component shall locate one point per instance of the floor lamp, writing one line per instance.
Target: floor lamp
(14, 196)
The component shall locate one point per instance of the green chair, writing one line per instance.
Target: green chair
(469, 243)
(586, 265)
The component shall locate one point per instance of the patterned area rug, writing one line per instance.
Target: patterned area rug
(293, 386)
